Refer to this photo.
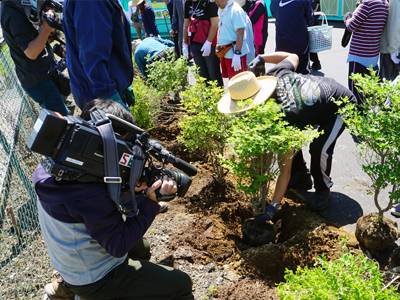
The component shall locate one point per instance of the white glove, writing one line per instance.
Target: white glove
(394, 57)
(236, 62)
(185, 50)
(206, 49)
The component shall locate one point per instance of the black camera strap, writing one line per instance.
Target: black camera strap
(110, 152)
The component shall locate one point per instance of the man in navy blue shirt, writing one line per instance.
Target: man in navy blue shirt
(292, 18)
(99, 53)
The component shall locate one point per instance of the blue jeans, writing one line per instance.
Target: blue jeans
(209, 66)
(48, 96)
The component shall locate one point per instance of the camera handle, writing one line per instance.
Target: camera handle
(159, 152)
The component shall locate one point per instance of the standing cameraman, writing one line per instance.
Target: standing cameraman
(32, 54)
(98, 253)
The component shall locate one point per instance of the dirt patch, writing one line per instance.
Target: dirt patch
(201, 235)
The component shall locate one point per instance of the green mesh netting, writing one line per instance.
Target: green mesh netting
(24, 263)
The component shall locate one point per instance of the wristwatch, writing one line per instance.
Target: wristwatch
(237, 52)
(276, 205)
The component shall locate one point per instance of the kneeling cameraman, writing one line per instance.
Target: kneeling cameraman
(100, 254)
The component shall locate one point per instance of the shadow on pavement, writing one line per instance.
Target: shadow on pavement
(342, 210)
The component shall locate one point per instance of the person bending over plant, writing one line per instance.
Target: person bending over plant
(304, 100)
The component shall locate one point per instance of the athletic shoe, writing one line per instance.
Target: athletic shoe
(320, 200)
(57, 291)
(163, 207)
(316, 66)
(300, 181)
(395, 210)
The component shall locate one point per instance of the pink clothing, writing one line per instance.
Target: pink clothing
(200, 28)
(258, 27)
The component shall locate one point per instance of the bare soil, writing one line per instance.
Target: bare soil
(201, 234)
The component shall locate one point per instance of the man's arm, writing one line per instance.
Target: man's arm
(309, 13)
(175, 21)
(213, 29)
(140, 62)
(239, 39)
(277, 57)
(358, 18)
(167, 43)
(36, 46)
(283, 178)
(94, 53)
(186, 23)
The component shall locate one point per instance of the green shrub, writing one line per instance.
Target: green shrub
(168, 75)
(350, 277)
(378, 130)
(204, 128)
(147, 106)
(262, 141)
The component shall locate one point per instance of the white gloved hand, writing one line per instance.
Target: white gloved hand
(236, 62)
(206, 49)
(185, 50)
(394, 57)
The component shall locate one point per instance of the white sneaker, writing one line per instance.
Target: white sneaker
(395, 210)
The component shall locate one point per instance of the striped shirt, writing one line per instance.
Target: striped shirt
(367, 24)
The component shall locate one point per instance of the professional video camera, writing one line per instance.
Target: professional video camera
(78, 150)
(34, 8)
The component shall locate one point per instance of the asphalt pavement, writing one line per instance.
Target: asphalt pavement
(349, 199)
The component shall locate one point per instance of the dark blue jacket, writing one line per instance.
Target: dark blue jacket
(292, 18)
(149, 22)
(99, 55)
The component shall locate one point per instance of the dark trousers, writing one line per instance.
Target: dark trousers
(138, 279)
(177, 49)
(356, 68)
(209, 66)
(387, 68)
(321, 151)
(47, 95)
(314, 57)
(304, 60)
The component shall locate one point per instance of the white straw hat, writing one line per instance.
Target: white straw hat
(134, 3)
(243, 86)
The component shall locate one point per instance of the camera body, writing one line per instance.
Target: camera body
(73, 150)
(34, 8)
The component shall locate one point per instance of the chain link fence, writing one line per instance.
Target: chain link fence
(24, 263)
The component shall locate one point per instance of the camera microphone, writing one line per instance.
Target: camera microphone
(184, 166)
